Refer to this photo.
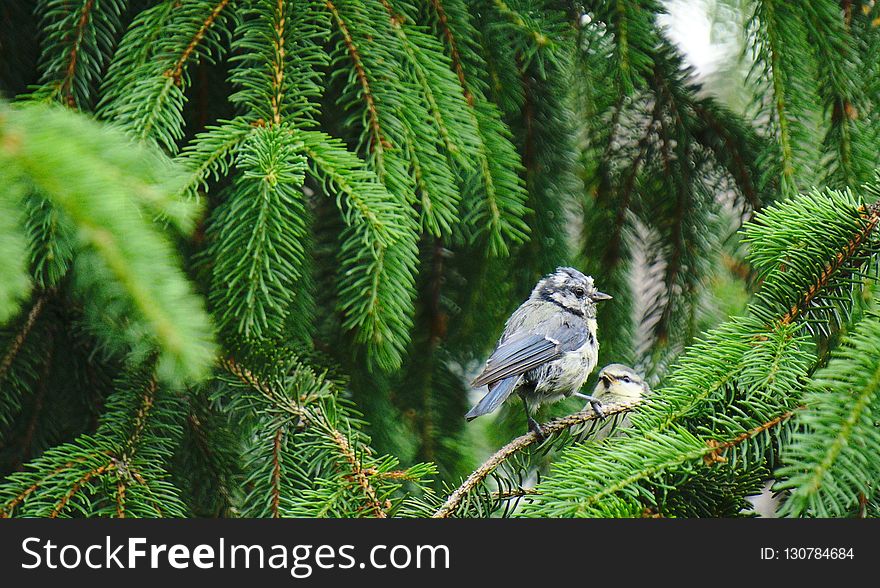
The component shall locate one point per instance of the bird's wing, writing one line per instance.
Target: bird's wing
(521, 353)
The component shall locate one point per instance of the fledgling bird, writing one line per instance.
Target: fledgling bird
(547, 349)
(618, 384)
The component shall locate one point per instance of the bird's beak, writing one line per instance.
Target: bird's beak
(600, 296)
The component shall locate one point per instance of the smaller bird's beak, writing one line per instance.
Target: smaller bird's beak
(600, 296)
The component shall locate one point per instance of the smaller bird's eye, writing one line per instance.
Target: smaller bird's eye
(627, 379)
(580, 292)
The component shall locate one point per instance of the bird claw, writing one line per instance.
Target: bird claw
(595, 404)
(536, 428)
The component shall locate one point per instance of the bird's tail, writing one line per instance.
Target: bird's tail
(497, 394)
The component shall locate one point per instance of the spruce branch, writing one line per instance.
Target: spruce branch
(79, 40)
(586, 482)
(7, 509)
(870, 215)
(377, 142)
(276, 472)
(125, 270)
(378, 253)
(497, 209)
(827, 463)
(116, 472)
(308, 437)
(70, 72)
(176, 70)
(359, 474)
(145, 88)
(550, 429)
(453, 50)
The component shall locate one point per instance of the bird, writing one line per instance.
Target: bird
(548, 347)
(618, 384)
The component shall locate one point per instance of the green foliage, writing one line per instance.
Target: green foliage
(125, 274)
(258, 250)
(13, 252)
(79, 38)
(377, 254)
(144, 88)
(119, 471)
(305, 454)
(828, 464)
(352, 196)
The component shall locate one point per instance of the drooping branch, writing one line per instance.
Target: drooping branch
(550, 429)
(70, 72)
(453, 50)
(176, 71)
(378, 142)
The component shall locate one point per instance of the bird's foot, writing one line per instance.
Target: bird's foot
(536, 428)
(595, 404)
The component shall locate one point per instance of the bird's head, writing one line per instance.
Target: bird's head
(620, 383)
(570, 289)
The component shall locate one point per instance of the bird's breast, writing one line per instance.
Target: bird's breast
(564, 376)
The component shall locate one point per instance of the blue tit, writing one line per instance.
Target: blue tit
(547, 349)
(618, 384)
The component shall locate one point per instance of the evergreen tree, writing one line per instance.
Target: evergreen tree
(251, 250)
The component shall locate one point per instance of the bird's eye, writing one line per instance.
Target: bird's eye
(580, 292)
(627, 379)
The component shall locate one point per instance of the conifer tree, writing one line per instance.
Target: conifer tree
(252, 250)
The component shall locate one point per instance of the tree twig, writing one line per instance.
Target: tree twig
(552, 428)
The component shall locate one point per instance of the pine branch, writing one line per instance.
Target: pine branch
(615, 487)
(453, 49)
(377, 142)
(209, 156)
(256, 238)
(378, 253)
(279, 58)
(776, 32)
(176, 71)
(497, 208)
(360, 477)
